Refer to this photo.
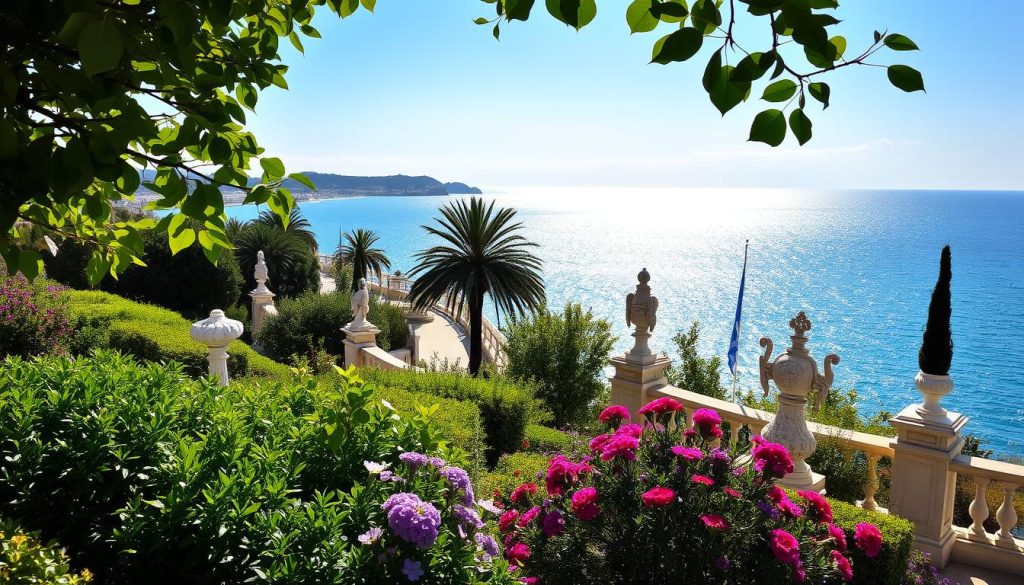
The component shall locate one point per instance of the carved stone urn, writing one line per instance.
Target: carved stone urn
(796, 375)
(216, 332)
(933, 387)
(642, 312)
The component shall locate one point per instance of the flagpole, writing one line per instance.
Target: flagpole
(739, 304)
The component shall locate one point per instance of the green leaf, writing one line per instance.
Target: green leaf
(779, 91)
(369, 4)
(281, 203)
(820, 91)
(639, 17)
(30, 263)
(712, 71)
(480, 20)
(496, 31)
(769, 127)
(100, 47)
(678, 46)
(800, 124)
(303, 179)
(220, 150)
(752, 67)
(898, 42)
(347, 7)
(839, 42)
(273, 167)
(726, 95)
(518, 9)
(575, 13)
(179, 235)
(672, 11)
(73, 26)
(906, 78)
(705, 16)
(97, 267)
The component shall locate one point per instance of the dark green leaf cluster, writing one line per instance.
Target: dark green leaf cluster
(796, 36)
(694, 372)
(564, 355)
(356, 248)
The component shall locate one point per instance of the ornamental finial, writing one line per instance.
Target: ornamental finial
(800, 324)
(644, 277)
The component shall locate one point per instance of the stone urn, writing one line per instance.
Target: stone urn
(642, 312)
(216, 332)
(796, 375)
(933, 387)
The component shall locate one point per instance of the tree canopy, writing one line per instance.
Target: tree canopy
(92, 92)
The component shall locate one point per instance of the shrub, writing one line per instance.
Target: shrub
(543, 439)
(506, 407)
(890, 566)
(511, 470)
(693, 372)
(390, 319)
(32, 319)
(652, 503)
(26, 559)
(103, 320)
(149, 477)
(565, 354)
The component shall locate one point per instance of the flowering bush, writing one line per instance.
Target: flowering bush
(26, 559)
(656, 503)
(32, 321)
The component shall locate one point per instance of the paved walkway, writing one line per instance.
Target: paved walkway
(444, 339)
(968, 575)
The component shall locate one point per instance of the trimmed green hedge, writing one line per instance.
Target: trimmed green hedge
(151, 333)
(512, 470)
(541, 439)
(507, 408)
(897, 541)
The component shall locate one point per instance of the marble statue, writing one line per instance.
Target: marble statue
(642, 311)
(360, 306)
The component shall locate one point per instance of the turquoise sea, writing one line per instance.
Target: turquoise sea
(862, 264)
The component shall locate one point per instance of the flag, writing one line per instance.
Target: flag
(734, 342)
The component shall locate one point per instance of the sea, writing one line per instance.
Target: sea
(860, 264)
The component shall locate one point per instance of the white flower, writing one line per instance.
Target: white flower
(489, 506)
(375, 468)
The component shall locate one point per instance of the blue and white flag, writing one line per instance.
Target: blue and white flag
(734, 342)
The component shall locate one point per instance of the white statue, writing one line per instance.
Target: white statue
(360, 307)
(261, 273)
(642, 311)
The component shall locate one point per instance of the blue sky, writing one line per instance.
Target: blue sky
(417, 88)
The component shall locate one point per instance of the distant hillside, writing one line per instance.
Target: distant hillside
(461, 189)
(331, 185)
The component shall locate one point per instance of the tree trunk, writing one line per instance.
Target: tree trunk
(476, 329)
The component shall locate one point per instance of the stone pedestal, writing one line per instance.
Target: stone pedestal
(635, 377)
(262, 299)
(356, 338)
(922, 484)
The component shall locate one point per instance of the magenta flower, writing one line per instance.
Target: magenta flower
(632, 429)
(517, 553)
(523, 492)
(772, 459)
(584, 504)
(553, 524)
(507, 520)
(614, 415)
(562, 474)
(868, 539)
(687, 453)
(620, 446)
(707, 422)
(658, 496)
(715, 522)
(838, 535)
(785, 546)
(703, 480)
(843, 564)
(598, 442)
(818, 508)
(663, 405)
(528, 517)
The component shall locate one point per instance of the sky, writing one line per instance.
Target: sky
(416, 88)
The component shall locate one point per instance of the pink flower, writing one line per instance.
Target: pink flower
(715, 522)
(838, 535)
(620, 446)
(523, 492)
(615, 414)
(529, 580)
(553, 524)
(818, 507)
(772, 459)
(799, 574)
(584, 504)
(785, 547)
(703, 479)
(563, 473)
(528, 517)
(707, 422)
(843, 564)
(689, 434)
(663, 405)
(517, 553)
(597, 443)
(658, 496)
(631, 429)
(507, 520)
(687, 453)
(783, 503)
(868, 539)
(731, 492)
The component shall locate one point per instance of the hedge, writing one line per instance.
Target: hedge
(104, 320)
(25, 558)
(541, 439)
(897, 542)
(511, 470)
(507, 408)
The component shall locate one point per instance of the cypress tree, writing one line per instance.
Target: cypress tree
(936, 353)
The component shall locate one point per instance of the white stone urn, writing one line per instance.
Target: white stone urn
(642, 312)
(796, 375)
(933, 387)
(216, 332)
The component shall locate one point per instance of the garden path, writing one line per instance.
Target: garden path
(444, 339)
(968, 575)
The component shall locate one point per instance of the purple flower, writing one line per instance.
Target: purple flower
(723, 563)
(768, 509)
(467, 516)
(436, 462)
(487, 544)
(390, 476)
(370, 536)
(458, 480)
(412, 519)
(412, 570)
(413, 459)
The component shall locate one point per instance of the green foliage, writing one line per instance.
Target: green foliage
(355, 248)
(103, 320)
(543, 439)
(483, 252)
(936, 353)
(297, 225)
(703, 22)
(25, 559)
(292, 267)
(695, 373)
(148, 477)
(511, 470)
(890, 566)
(564, 354)
(506, 407)
(33, 321)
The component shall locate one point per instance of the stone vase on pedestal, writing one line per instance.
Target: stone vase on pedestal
(796, 375)
(216, 332)
(262, 299)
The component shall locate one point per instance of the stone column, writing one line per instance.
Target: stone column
(216, 332)
(356, 339)
(922, 484)
(796, 374)
(639, 370)
(262, 299)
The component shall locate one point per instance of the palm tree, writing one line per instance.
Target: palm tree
(233, 228)
(294, 268)
(483, 254)
(297, 225)
(356, 248)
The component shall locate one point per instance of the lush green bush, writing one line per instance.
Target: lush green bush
(513, 469)
(506, 407)
(33, 321)
(890, 566)
(25, 560)
(543, 439)
(150, 477)
(693, 372)
(565, 354)
(390, 319)
(104, 320)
